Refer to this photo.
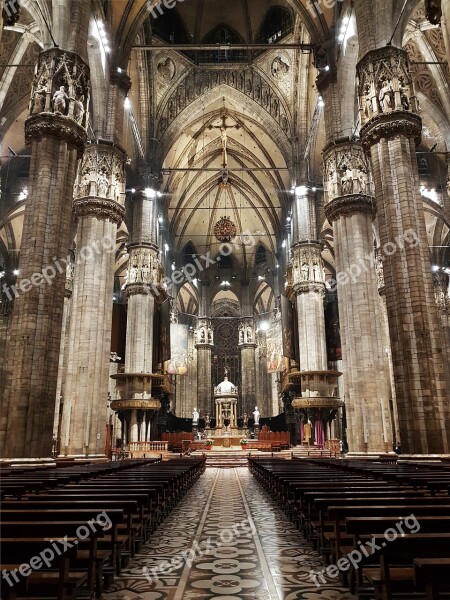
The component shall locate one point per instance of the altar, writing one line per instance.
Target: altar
(225, 399)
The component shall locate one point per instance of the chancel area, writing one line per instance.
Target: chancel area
(225, 297)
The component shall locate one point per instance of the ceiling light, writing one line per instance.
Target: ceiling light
(301, 190)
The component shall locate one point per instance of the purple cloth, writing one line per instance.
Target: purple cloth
(320, 434)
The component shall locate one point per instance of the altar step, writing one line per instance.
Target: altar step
(310, 452)
(229, 458)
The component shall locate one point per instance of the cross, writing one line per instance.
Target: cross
(223, 133)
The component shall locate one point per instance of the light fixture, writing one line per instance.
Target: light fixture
(301, 190)
(261, 277)
(159, 194)
(150, 193)
(264, 326)
(16, 272)
(225, 229)
(119, 70)
(435, 268)
(160, 219)
(225, 283)
(133, 190)
(320, 102)
(173, 266)
(166, 247)
(283, 245)
(127, 103)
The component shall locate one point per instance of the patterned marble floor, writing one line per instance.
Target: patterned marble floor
(225, 540)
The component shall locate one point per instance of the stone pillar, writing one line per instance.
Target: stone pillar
(63, 349)
(309, 285)
(441, 284)
(350, 208)
(390, 129)
(308, 280)
(134, 427)
(204, 342)
(99, 210)
(143, 286)
(247, 346)
(56, 132)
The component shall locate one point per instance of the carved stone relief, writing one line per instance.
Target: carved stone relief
(204, 332)
(307, 265)
(346, 171)
(61, 86)
(247, 334)
(101, 174)
(143, 268)
(384, 83)
(199, 81)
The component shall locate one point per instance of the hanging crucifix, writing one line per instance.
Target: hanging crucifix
(223, 134)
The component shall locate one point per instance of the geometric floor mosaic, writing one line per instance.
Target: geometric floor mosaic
(225, 540)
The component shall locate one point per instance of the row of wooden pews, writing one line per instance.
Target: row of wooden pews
(383, 529)
(69, 538)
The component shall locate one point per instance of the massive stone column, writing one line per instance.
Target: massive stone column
(137, 387)
(350, 208)
(204, 343)
(63, 349)
(247, 346)
(309, 285)
(99, 210)
(390, 129)
(56, 132)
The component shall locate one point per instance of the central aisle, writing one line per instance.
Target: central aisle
(237, 543)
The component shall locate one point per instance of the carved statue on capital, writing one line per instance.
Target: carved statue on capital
(379, 269)
(144, 268)
(204, 335)
(346, 170)
(101, 174)
(441, 285)
(308, 259)
(61, 86)
(385, 84)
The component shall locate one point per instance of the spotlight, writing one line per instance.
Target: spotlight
(264, 326)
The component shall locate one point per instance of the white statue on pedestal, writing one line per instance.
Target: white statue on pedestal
(195, 416)
(256, 415)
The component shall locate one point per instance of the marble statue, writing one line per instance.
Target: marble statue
(60, 100)
(256, 415)
(195, 416)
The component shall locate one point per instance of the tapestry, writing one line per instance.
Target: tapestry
(287, 325)
(178, 363)
(274, 344)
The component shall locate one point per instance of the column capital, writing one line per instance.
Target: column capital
(57, 126)
(304, 287)
(59, 104)
(308, 273)
(120, 79)
(101, 173)
(144, 273)
(204, 333)
(247, 334)
(326, 78)
(349, 205)
(433, 11)
(97, 207)
(390, 126)
(346, 169)
(387, 103)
